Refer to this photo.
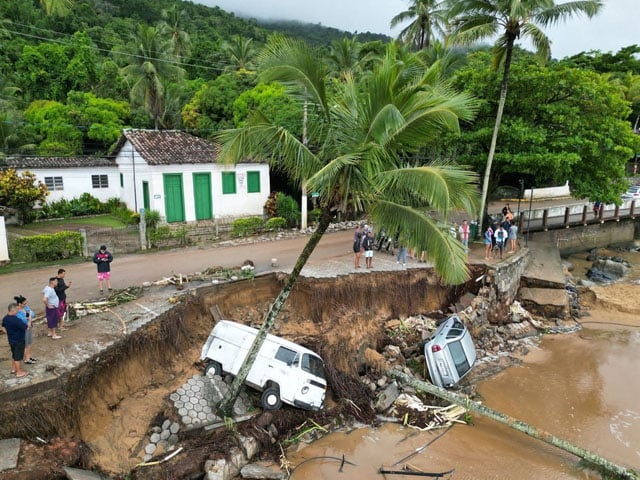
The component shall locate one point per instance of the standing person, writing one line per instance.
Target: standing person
(501, 237)
(506, 210)
(488, 242)
(513, 237)
(103, 259)
(367, 245)
(51, 303)
(26, 315)
(596, 208)
(357, 247)
(402, 255)
(60, 289)
(15, 329)
(464, 235)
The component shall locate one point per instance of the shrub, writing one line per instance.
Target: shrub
(242, 227)
(288, 209)
(159, 233)
(314, 215)
(275, 223)
(39, 248)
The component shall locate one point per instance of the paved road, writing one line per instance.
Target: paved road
(134, 269)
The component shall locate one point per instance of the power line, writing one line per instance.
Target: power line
(126, 54)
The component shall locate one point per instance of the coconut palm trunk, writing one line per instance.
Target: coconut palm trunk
(226, 406)
(466, 402)
(496, 128)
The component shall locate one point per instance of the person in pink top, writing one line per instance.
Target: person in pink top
(464, 235)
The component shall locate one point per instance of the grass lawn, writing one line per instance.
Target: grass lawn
(54, 226)
(71, 223)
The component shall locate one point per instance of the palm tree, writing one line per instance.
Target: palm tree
(179, 39)
(358, 155)
(150, 68)
(428, 17)
(240, 53)
(58, 8)
(473, 20)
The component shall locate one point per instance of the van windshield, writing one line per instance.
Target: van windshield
(459, 358)
(313, 365)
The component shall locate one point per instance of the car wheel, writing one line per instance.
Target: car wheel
(214, 367)
(271, 399)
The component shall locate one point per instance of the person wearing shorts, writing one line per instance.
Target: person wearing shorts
(26, 315)
(61, 291)
(103, 259)
(15, 329)
(51, 304)
(367, 245)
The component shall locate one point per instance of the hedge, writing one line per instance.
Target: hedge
(246, 226)
(39, 248)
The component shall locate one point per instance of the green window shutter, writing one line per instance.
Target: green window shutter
(253, 182)
(228, 182)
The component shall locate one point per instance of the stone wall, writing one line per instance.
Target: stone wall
(504, 280)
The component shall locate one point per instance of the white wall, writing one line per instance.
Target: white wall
(4, 244)
(76, 181)
(239, 204)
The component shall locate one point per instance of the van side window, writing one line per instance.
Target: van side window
(286, 355)
(312, 365)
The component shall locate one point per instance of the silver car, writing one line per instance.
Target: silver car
(450, 353)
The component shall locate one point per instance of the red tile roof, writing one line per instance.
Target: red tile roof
(169, 147)
(20, 162)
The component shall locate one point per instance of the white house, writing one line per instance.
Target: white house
(176, 174)
(70, 177)
(172, 172)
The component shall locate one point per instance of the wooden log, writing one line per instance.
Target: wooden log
(466, 402)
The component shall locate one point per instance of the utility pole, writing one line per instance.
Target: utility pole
(303, 201)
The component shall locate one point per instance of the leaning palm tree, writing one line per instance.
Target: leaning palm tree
(473, 20)
(150, 67)
(428, 18)
(359, 156)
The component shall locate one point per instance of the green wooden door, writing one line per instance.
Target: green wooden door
(173, 197)
(145, 196)
(202, 196)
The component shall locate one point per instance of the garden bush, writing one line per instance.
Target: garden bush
(314, 215)
(275, 223)
(49, 247)
(288, 209)
(242, 227)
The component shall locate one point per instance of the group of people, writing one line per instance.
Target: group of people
(363, 241)
(18, 322)
(500, 233)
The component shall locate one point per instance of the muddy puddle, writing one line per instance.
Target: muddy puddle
(582, 387)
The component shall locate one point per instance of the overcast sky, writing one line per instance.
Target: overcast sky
(617, 25)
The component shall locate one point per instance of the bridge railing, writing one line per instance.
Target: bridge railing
(543, 219)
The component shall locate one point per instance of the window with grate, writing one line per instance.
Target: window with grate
(100, 181)
(228, 182)
(53, 183)
(253, 182)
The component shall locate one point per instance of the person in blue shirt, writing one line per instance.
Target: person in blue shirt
(27, 316)
(15, 329)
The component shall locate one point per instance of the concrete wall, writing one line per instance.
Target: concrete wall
(4, 245)
(562, 191)
(583, 238)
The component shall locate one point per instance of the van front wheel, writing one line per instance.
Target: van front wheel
(214, 367)
(271, 399)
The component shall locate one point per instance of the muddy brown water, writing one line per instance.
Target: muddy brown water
(582, 387)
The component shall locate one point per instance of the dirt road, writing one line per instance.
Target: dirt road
(134, 269)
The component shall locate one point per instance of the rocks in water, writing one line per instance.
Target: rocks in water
(608, 269)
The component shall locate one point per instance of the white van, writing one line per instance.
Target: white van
(283, 371)
(450, 353)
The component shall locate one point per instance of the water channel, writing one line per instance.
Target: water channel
(582, 387)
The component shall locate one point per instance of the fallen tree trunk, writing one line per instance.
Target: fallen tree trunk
(514, 423)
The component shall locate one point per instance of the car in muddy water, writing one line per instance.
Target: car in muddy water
(450, 353)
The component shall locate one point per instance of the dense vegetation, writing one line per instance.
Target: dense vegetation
(74, 73)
